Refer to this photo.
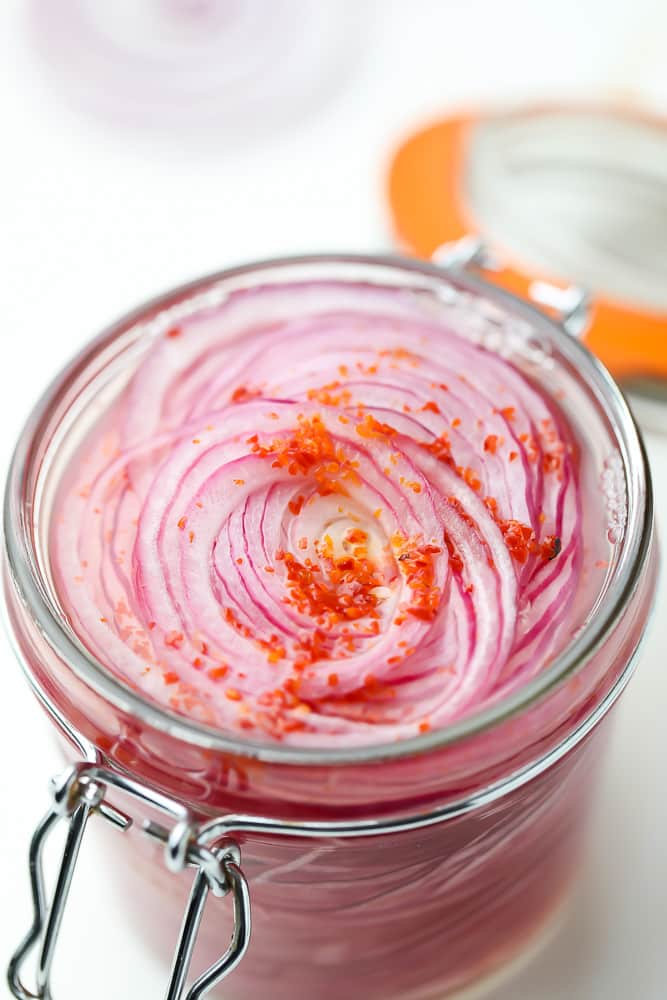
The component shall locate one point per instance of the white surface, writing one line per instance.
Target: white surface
(93, 220)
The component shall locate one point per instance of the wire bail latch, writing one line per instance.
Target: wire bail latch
(79, 793)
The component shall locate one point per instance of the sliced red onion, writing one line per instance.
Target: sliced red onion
(206, 63)
(345, 528)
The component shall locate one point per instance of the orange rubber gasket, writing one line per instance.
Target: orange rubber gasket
(426, 185)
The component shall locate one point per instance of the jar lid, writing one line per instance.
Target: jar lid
(574, 194)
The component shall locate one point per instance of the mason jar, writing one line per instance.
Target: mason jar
(413, 869)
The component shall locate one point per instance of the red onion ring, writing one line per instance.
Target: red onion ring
(344, 528)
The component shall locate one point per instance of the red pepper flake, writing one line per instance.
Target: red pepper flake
(182, 522)
(400, 354)
(431, 407)
(508, 412)
(232, 694)
(441, 448)
(332, 680)
(513, 455)
(174, 639)
(332, 394)
(196, 440)
(197, 663)
(242, 394)
(273, 653)
(519, 539)
(217, 673)
(455, 560)
(232, 620)
(551, 462)
(470, 477)
(296, 505)
(424, 726)
(175, 331)
(456, 422)
(311, 451)
(191, 536)
(412, 485)
(343, 371)
(239, 482)
(340, 588)
(240, 560)
(491, 443)
(103, 620)
(418, 570)
(303, 543)
(269, 569)
(551, 547)
(151, 625)
(170, 677)
(372, 428)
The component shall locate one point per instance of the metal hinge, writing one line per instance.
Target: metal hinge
(78, 794)
(571, 305)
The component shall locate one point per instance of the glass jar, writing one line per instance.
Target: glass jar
(407, 870)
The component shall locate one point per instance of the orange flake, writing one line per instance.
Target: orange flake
(217, 673)
(174, 639)
(372, 428)
(296, 505)
(242, 394)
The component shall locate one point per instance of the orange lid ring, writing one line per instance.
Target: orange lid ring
(429, 208)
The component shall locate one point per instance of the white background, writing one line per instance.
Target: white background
(95, 217)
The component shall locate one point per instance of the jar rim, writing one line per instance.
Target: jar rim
(26, 578)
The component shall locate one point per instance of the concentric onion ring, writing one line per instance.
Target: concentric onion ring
(348, 527)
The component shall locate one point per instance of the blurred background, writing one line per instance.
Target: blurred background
(146, 142)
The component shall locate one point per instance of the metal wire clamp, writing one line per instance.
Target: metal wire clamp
(78, 794)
